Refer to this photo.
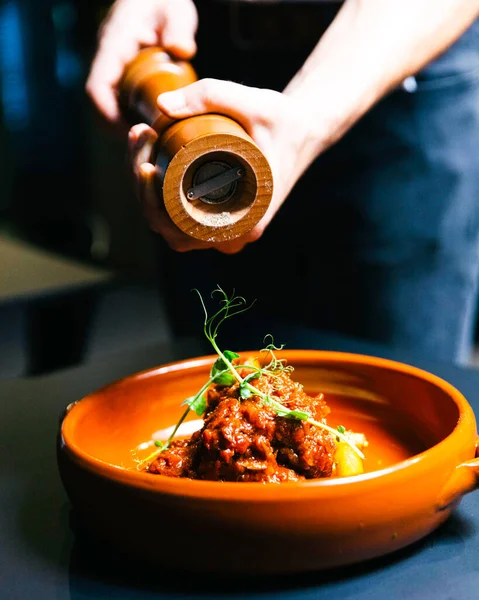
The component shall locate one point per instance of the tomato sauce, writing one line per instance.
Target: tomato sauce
(246, 440)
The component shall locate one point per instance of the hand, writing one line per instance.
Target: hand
(277, 123)
(129, 26)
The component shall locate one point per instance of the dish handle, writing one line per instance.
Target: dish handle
(464, 479)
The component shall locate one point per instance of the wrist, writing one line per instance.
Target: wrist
(315, 127)
(330, 105)
(292, 143)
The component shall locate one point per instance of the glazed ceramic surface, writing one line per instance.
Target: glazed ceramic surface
(420, 461)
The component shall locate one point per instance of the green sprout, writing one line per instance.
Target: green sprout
(225, 373)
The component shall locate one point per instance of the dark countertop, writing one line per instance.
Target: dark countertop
(27, 271)
(41, 558)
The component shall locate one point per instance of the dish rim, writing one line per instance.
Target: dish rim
(247, 491)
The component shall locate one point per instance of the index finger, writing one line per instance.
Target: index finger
(105, 74)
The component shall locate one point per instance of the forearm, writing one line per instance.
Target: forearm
(371, 46)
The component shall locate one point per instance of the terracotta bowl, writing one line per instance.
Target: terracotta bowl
(420, 461)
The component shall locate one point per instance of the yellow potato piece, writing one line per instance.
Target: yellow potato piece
(253, 362)
(347, 461)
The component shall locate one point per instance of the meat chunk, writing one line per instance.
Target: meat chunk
(175, 461)
(245, 439)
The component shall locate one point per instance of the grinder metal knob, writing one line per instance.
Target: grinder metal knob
(214, 182)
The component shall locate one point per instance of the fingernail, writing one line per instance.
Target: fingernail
(172, 102)
(131, 141)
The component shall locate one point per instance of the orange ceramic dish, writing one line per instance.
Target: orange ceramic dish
(420, 461)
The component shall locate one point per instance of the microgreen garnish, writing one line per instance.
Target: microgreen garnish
(197, 403)
(244, 390)
(275, 365)
(224, 372)
(293, 414)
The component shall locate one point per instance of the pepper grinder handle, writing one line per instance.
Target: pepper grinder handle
(216, 182)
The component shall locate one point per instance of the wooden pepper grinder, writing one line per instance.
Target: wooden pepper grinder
(216, 182)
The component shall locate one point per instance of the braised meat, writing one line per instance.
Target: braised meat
(245, 439)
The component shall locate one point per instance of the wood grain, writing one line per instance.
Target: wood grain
(185, 146)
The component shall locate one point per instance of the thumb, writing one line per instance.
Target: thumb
(180, 24)
(244, 104)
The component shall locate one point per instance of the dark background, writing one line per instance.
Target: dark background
(64, 190)
(63, 185)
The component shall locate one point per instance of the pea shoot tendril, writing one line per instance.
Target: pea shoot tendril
(224, 372)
